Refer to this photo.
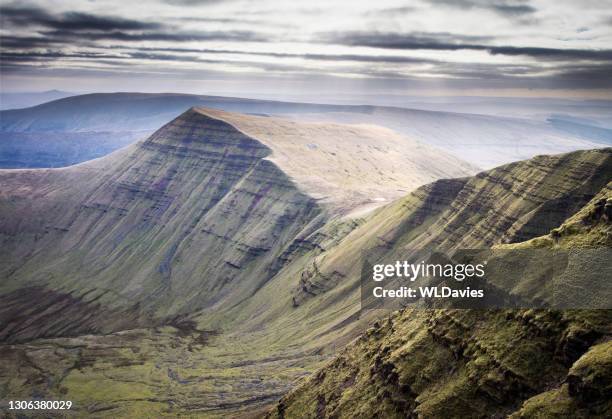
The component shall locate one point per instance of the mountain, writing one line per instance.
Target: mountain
(201, 214)
(208, 268)
(80, 128)
(462, 363)
(483, 141)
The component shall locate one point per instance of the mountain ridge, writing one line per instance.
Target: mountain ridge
(198, 199)
(457, 363)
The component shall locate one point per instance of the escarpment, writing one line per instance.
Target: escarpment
(192, 217)
(509, 204)
(461, 363)
(198, 216)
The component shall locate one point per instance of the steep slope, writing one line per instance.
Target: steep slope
(142, 233)
(476, 363)
(511, 203)
(197, 216)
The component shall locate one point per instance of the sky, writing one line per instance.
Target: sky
(513, 48)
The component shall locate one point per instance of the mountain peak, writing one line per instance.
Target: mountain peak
(196, 131)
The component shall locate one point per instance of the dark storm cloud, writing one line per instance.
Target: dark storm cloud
(554, 53)
(75, 27)
(18, 15)
(504, 8)
(27, 42)
(34, 56)
(72, 38)
(509, 10)
(452, 42)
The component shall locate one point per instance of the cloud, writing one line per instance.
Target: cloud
(72, 28)
(193, 2)
(306, 56)
(517, 8)
(18, 15)
(27, 42)
(410, 41)
(172, 36)
(185, 39)
(554, 53)
(179, 55)
(452, 42)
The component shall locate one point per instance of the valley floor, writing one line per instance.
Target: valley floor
(152, 372)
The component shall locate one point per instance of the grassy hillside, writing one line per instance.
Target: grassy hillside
(190, 274)
(476, 363)
(198, 216)
(172, 225)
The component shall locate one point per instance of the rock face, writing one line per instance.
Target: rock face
(465, 363)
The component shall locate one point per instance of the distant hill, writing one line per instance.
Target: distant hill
(134, 111)
(483, 141)
(27, 99)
